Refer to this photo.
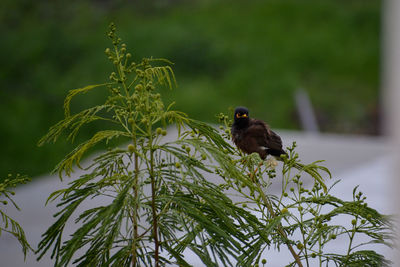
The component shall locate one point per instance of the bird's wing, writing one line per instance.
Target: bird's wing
(264, 136)
(258, 131)
(274, 141)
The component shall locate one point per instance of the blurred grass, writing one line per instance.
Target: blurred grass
(226, 53)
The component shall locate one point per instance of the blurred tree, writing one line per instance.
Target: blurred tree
(225, 53)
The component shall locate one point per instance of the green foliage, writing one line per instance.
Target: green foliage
(8, 224)
(158, 196)
(306, 219)
(157, 202)
(256, 52)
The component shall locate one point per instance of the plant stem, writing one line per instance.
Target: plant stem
(304, 238)
(135, 211)
(353, 233)
(153, 201)
(281, 231)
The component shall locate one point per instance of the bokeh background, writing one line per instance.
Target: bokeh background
(225, 53)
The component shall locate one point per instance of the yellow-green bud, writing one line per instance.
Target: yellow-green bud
(284, 210)
(263, 261)
(164, 132)
(130, 121)
(131, 148)
(158, 131)
(353, 222)
(203, 156)
(187, 149)
(300, 208)
(299, 246)
(178, 165)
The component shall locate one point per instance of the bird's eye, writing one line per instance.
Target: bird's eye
(240, 115)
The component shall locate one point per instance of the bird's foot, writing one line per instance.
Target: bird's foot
(253, 173)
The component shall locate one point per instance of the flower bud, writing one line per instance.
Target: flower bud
(313, 255)
(131, 148)
(300, 208)
(299, 245)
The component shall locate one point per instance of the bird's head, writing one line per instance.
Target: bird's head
(241, 114)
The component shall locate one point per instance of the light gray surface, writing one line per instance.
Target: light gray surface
(356, 160)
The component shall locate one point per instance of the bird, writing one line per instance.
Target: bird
(255, 136)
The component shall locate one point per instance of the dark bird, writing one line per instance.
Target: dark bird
(252, 135)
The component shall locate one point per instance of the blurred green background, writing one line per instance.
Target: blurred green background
(226, 53)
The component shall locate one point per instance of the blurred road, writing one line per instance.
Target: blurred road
(356, 160)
